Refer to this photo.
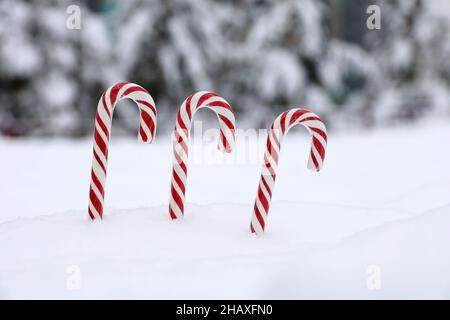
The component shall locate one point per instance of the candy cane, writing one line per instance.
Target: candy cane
(279, 128)
(225, 114)
(103, 119)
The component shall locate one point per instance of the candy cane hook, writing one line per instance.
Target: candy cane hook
(279, 128)
(225, 114)
(103, 120)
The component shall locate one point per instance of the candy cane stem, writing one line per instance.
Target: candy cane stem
(279, 128)
(225, 115)
(103, 120)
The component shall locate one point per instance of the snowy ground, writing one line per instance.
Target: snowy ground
(373, 224)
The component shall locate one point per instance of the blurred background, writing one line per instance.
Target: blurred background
(263, 56)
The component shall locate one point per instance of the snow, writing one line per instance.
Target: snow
(280, 75)
(440, 8)
(380, 203)
(19, 62)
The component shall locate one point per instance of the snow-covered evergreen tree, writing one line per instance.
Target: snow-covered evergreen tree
(47, 69)
(409, 51)
(261, 55)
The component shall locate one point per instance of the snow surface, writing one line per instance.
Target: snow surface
(382, 201)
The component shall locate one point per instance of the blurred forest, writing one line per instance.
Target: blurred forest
(263, 56)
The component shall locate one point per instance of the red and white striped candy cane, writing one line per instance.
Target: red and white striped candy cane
(103, 120)
(225, 114)
(279, 128)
